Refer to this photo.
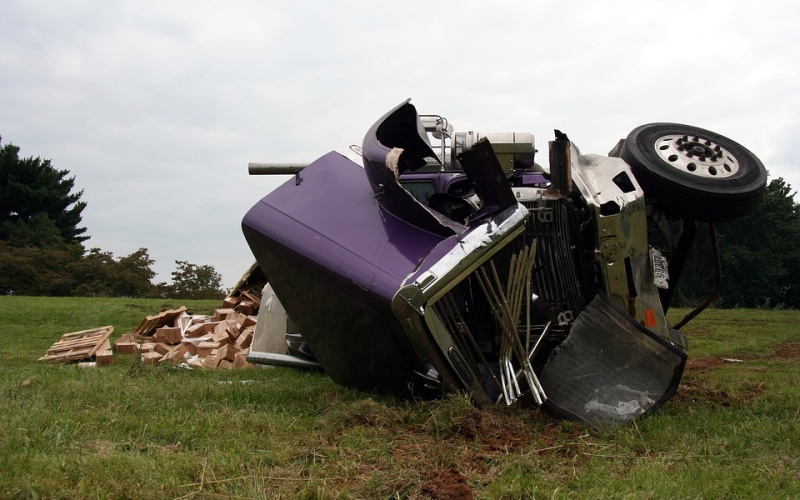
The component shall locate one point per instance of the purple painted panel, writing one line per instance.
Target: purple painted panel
(348, 234)
(394, 146)
(336, 259)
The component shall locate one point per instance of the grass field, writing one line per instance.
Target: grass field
(133, 431)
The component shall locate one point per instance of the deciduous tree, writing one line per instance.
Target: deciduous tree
(759, 253)
(190, 281)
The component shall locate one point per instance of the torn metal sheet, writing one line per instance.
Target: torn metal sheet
(610, 369)
(271, 341)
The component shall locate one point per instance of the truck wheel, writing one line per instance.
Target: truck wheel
(695, 173)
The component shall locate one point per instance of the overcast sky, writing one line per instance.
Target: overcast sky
(156, 107)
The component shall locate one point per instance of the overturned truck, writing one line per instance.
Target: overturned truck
(431, 262)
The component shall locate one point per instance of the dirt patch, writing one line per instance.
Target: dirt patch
(788, 350)
(507, 430)
(446, 484)
(698, 393)
(702, 364)
(495, 431)
(744, 394)
(445, 448)
(751, 391)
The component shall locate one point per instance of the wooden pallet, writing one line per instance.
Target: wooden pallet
(77, 346)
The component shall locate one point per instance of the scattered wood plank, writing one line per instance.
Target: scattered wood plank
(228, 352)
(199, 329)
(175, 355)
(222, 314)
(212, 360)
(151, 357)
(104, 355)
(150, 323)
(168, 334)
(191, 347)
(252, 296)
(127, 343)
(240, 360)
(176, 336)
(229, 302)
(78, 346)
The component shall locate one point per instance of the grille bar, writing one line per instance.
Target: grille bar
(508, 298)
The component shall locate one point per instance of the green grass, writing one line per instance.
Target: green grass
(133, 431)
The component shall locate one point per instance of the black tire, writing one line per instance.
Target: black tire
(691, 172)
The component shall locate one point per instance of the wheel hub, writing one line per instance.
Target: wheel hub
(697, 156)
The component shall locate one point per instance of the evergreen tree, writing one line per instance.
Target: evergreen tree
(37, 204)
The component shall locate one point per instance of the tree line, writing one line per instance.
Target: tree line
(42, 246)
(759, 257)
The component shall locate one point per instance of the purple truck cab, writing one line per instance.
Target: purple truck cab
(473, 270)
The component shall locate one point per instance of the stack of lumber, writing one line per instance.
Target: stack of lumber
(176, 336)
(85, 345)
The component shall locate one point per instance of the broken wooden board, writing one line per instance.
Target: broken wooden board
(168, 335)
(164, 318)
(77, 346)
(127, 343)
(104, 355)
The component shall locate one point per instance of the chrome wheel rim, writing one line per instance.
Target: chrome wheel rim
(696, 155)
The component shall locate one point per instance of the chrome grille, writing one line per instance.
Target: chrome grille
(555, 279)
(495, 299)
